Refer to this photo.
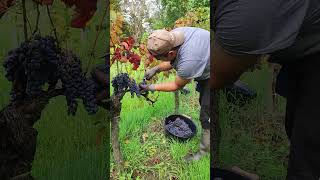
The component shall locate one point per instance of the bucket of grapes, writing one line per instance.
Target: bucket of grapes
(180, 127)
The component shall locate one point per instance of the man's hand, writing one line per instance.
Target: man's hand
(146, 87)
(151, 72)
(163, 66)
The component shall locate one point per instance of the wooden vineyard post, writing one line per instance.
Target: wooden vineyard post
(177, 102)
(275, 72)
(115, 140)
(115, 111)
(272, 96)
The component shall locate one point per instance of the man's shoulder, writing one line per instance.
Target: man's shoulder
(188, 29)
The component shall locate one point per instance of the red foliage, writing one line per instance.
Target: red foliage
(130, 42)
(4, 6)
(125, 45)
(150, 58)
(135, 60)
(44, 2)
(125, 54)
(84, 10)
(116, 55)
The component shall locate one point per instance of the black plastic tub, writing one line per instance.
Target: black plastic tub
(239, 93)
(187, 120)
(223, 174)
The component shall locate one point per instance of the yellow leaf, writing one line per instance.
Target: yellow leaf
(126, 164)
(113, 15)
(144, 137)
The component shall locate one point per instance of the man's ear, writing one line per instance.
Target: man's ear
(172, 53)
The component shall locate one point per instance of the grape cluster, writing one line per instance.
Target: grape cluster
(179, 128)
(14, 60)
(134, 88)
(40, 61)
(75, 83)
(33, 63)
(122, 83)
(41, 64)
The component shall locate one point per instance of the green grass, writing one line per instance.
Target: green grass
(66, 146)
(148, 153)
(253, 138)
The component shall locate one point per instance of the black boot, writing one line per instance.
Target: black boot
(204, 147)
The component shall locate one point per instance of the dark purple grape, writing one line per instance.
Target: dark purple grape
(179, 128)
(122, 83)
(76, 84)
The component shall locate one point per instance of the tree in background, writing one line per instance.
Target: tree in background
(168, 12)
(135, 13)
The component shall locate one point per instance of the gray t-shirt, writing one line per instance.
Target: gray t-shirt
(286, 29)
(193, 58)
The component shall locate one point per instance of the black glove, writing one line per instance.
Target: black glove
(184, 91)
(151, 72)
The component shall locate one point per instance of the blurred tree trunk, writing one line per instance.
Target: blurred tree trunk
(18, 138)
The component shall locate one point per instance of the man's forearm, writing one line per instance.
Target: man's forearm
(178, 83)
(227, 68)
(167, 87)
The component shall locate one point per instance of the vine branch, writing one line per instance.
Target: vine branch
(95, 41)
(148, 99)
(53, 27)
(29, 25)
(24, 20)
(37, 22)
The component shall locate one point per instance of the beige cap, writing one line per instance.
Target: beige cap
(162, 41)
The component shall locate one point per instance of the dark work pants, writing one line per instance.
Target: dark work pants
(303, 120)
(203, 87)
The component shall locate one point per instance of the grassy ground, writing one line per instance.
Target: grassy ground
(149, 154)
(252, 137)
(66, 146)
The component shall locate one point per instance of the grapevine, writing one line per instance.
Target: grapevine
(41, 62)
(123, 84)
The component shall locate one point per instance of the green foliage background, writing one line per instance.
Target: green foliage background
(172, 10)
